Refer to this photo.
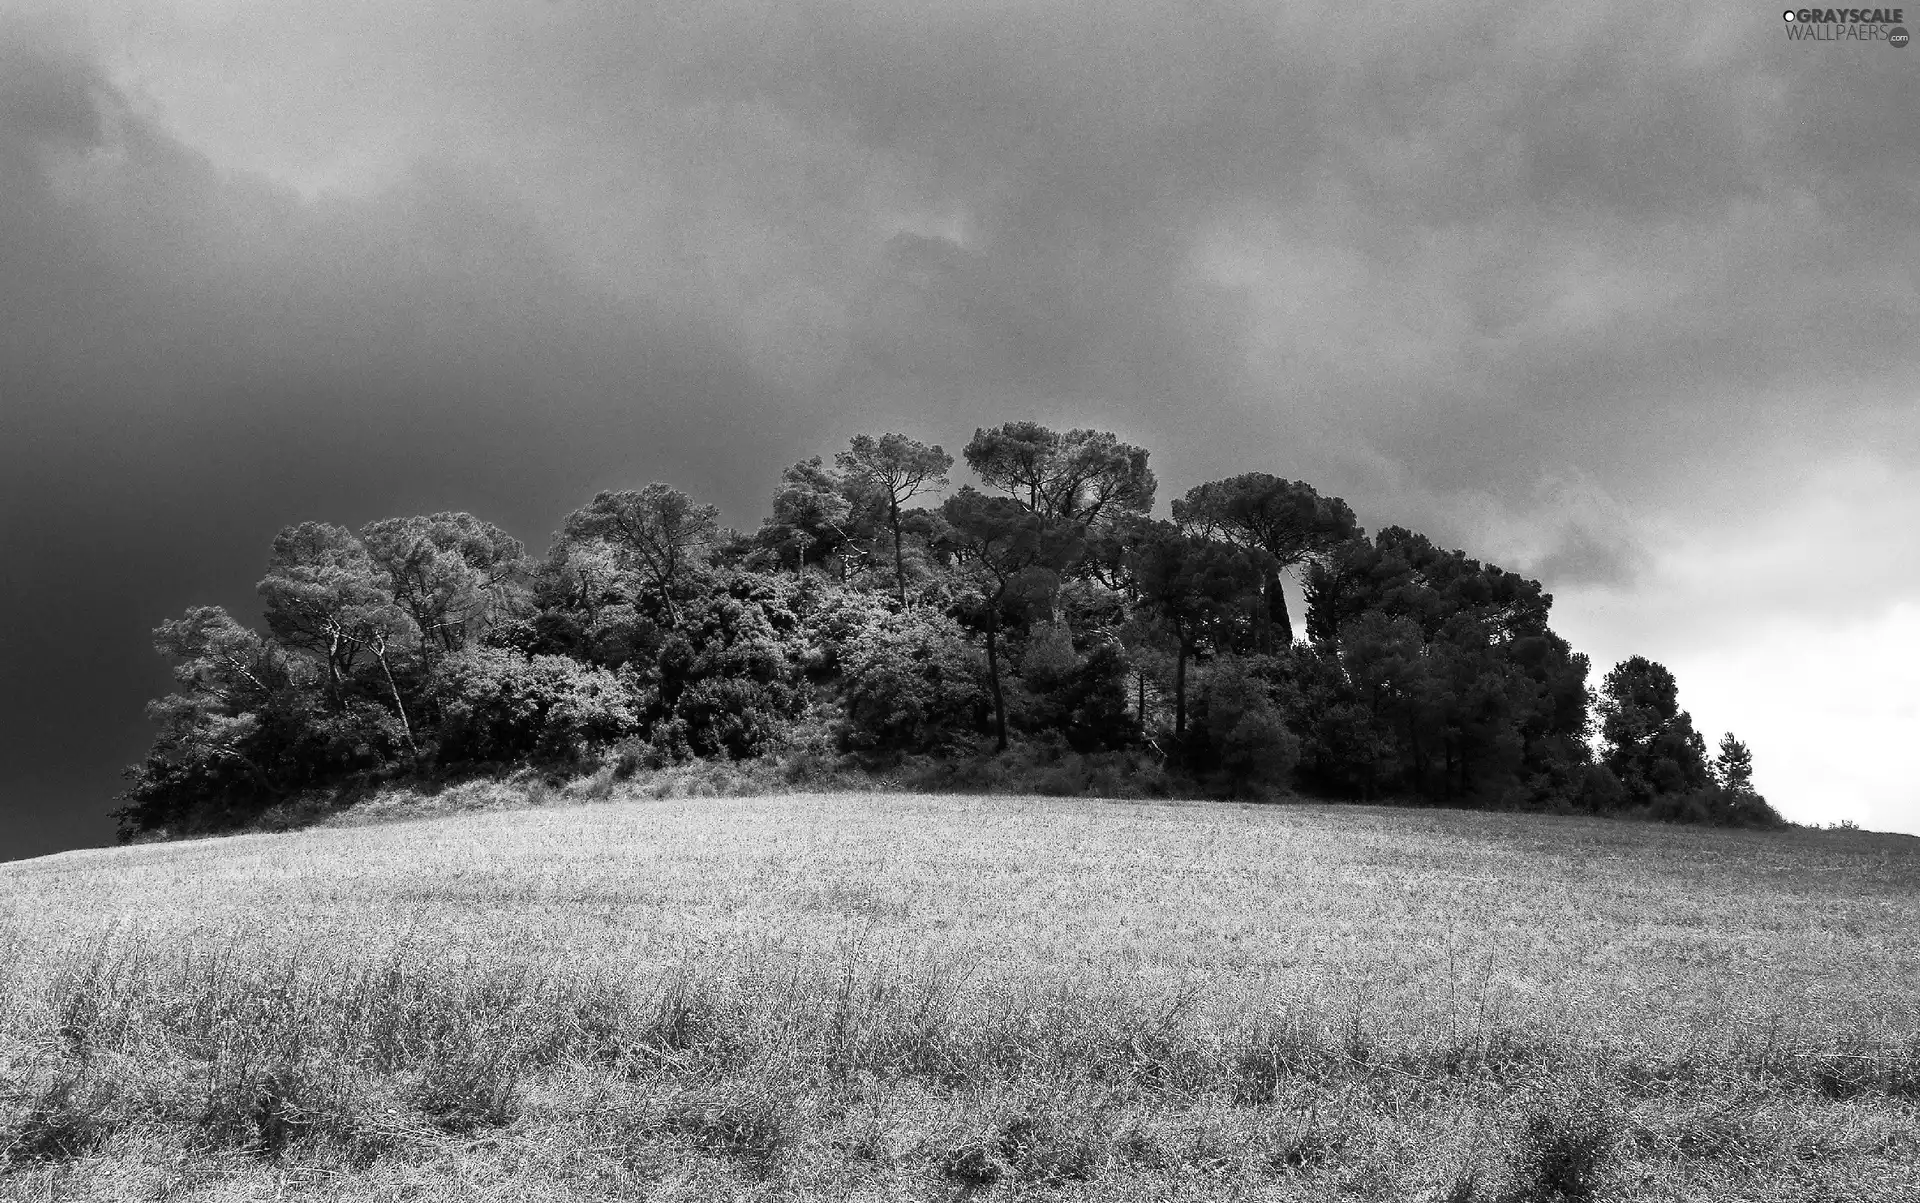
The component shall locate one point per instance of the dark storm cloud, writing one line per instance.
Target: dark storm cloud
(190, 359)
(1475, 246)
(1441, 262)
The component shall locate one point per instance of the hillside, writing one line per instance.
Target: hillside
(881, 996)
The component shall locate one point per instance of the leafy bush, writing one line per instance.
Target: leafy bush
(1083, 696)
(1717, 806)
(914, 684)
(729, 674)
(496, 704)
(1600, 792)
(1237, 733)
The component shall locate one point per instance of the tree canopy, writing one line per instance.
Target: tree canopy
(895, 469)
(1042, 616)
(659, 532)
(1651, 745)
(1003, 548)
(1078, 476)
(1286, 519)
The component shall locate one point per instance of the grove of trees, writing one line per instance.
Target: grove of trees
(1045, 617)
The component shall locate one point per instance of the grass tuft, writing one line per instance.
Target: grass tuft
(1056, 1139)
(64, 1121)
(1309, 1146)
(1854, 1066)
(278, 1116)
(756, 1128)
(976, 1165)
(1272, 1053)
(1560, 1156)
(468, 1090)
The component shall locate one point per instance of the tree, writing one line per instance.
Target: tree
(1733, 767)
(1076, 477)
(659, 531)
(1651, 745)
(1004, 548)
(1193, 586)
(1246, 744)
(1500, 715)
(241, 730)
(1731, 799)
(232, 678)
(898, 469)
(1286, 519)
(318, 581)
(1403, 573)
(819, 514)
(1555, 719)
(325, 594)
(453, 574)
(1387, 667)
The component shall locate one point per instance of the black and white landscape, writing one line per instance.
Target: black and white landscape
(873, 600)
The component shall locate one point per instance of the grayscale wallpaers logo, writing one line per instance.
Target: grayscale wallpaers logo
(1847, 25)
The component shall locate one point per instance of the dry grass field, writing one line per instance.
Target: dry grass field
(872, 996)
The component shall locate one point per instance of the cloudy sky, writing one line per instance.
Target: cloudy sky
(1622, 296)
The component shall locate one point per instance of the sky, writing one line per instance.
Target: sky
(1623, 297)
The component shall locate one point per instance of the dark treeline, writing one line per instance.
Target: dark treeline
(1046, 621)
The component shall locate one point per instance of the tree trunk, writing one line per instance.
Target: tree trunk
(1277, 609)
(899, 560)
(399, 706)
(993, 674)
(333, 670)
(259, 774)
(1180, 692)
(1419, 761)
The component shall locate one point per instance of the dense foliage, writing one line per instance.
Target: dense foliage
(1047, 617)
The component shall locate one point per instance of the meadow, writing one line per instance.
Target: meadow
(887, 996)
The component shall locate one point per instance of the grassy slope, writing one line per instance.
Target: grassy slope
(895, 996)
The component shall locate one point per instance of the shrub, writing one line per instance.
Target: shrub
(1083, 697)
(1717, 806)
(832, 618)
(976, 1166)
(1239, 735)
(496, 705)
(730, 671)
(1600, 792)
(599, 787)
(914, 684)
(735, 717)
(279, 1115)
